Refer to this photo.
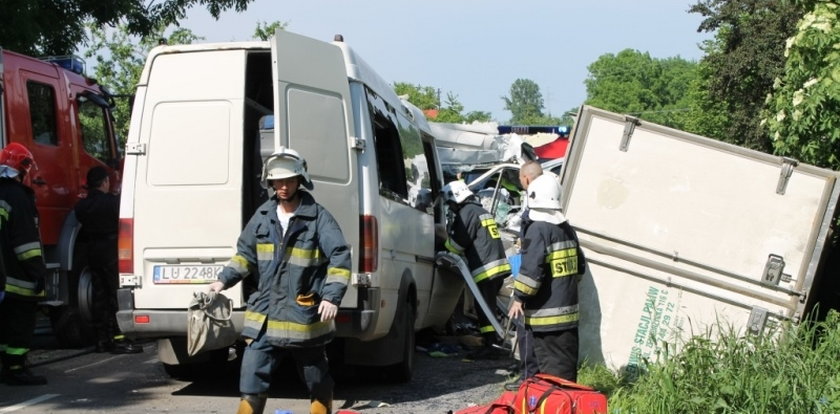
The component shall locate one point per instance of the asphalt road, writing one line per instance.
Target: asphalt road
(82, 381)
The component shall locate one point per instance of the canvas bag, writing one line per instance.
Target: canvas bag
(208, 323)
(545, 393)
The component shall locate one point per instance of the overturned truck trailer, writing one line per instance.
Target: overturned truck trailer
(684, 234)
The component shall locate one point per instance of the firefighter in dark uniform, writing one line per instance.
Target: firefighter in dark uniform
(296, 251)
(99, 215)
(545, 291)
(24, 269)
(475, 234)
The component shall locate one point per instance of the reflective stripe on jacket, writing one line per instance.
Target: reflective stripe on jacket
(475, 234)
(547, 281)
(20, 241)
(309, 264)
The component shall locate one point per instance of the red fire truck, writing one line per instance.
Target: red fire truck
(65, 120)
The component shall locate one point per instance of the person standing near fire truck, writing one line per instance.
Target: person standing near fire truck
(24, 268)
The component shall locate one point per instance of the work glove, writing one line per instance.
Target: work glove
(327, 311)
(215, 287)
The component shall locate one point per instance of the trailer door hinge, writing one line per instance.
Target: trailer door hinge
(358, 144)
(135, 148)
(788, 164)
(360, 279)
(757, 321)
(630, 124)
(774, 271)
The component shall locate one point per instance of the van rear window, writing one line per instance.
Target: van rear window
(190, 143)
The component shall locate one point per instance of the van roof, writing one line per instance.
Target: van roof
(355, 67)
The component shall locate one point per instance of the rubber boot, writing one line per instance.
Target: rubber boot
(252, 404)
(318, 407)
(16, 373)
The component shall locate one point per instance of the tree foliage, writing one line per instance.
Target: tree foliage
(427, 97)
(50, 27)
(265, 31)
(525, 104)
(633, 82)
(803, 112)
(741, 63)
(119, 60)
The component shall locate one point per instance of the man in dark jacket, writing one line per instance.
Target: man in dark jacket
(24, 269)
(475, 234)
(545, 291)
(99, 215)
(295, 249)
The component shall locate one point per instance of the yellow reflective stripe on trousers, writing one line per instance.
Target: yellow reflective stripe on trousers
(28, 250)
(338, 275)
(16, 351)
(487, 329)
(552, 320)
(292, 330)
(22, 288)
(491, 269)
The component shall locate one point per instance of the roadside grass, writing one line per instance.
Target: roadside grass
(795, 371)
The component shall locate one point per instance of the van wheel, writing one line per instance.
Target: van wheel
(402, 371)
(71, 323)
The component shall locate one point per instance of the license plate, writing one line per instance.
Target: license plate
(166, 274)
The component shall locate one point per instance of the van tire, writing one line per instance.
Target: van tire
(71, 323)
(401, 372)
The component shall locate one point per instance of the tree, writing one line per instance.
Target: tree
(119, 60)
(634, 83)
(525, 102)
(423, 97)
(50, 27)
(803, 112)
(427, 97)
(265, 31)
(742, 62)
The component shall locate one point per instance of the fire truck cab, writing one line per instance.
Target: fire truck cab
(64, 118)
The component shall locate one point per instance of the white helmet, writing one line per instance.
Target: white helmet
(456, 192)
(544, 192)
(285, 163)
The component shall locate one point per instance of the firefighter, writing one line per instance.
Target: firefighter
(475, 234)
(24, 268)
(295, 250)
(545, 291)
(99, 215)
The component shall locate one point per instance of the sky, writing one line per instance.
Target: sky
(476, 49)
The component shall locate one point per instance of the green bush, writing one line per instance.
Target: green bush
(795, 371)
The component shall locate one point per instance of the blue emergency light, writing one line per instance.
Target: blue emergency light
(72, 63)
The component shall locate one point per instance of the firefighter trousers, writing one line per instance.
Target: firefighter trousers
(261, 359)
(17, 324)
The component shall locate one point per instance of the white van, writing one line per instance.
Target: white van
(191, 182)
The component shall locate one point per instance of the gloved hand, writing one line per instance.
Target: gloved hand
(327, 311)
(216, 286)
(40, 284)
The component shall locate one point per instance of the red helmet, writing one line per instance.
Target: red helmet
(18, 157)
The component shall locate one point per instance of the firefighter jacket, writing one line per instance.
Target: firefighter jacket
(20, 241)
(547, 280)
(99, 214)
(310, 263)
(475, 234)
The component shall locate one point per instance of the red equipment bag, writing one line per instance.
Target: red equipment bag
(547, 394)
(502, 405)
